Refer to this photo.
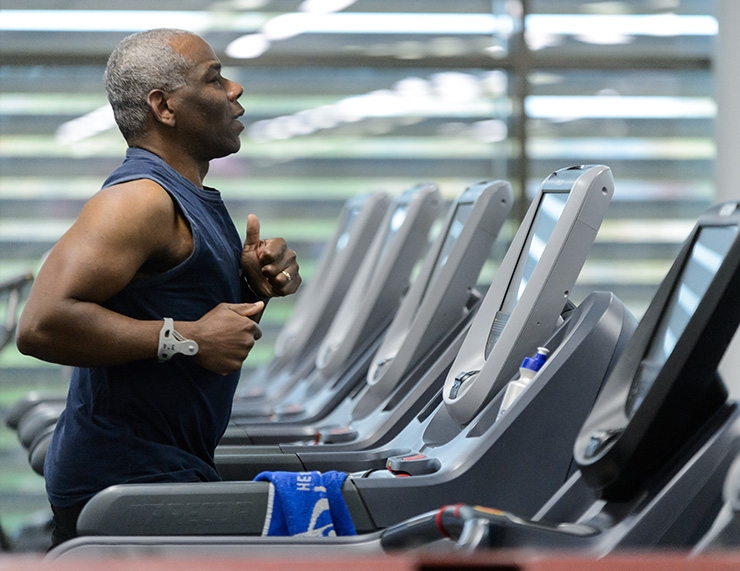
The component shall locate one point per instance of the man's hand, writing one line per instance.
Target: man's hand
(269, 265)
(225, 335)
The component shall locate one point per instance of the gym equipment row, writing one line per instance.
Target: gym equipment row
(574, 426)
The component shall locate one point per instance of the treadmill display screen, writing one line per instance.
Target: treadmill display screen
(397, 220)
(551, 207)
(707, 254)
(343, 239)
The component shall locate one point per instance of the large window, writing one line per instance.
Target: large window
(377, 95)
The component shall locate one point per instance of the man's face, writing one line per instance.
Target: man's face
(206, 109)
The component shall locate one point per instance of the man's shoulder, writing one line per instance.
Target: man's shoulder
(142, 199)
(140, 190)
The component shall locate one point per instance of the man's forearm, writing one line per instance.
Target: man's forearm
(85, 334)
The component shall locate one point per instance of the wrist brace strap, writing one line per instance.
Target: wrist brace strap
(172, 343)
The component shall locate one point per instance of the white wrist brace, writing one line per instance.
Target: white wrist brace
(172, 343)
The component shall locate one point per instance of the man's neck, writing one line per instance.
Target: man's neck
(193, 170)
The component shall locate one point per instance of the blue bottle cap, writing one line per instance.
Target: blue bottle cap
(535, 363)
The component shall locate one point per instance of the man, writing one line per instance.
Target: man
(151, 295)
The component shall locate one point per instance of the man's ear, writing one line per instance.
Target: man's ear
(159, 103)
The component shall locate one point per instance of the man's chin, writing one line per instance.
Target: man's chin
(229, 151)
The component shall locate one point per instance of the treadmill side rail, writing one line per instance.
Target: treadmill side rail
(202, 508)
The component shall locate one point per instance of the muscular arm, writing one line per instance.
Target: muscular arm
(121, 232)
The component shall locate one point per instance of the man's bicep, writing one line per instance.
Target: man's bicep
(116, 233)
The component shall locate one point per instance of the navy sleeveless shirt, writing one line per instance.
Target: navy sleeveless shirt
(147, 421)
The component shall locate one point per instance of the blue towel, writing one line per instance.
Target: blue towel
(306, 504)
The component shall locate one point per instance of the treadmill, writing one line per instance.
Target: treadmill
(366, 310)
(440, 301)
(654, 452)
(518, 459)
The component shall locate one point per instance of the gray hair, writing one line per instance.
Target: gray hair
(140, 63)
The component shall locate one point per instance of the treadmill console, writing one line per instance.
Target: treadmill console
(358, 222)
(391, 343)
(378, 286)
(531, 286)
(666, 385)
(482, 208)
